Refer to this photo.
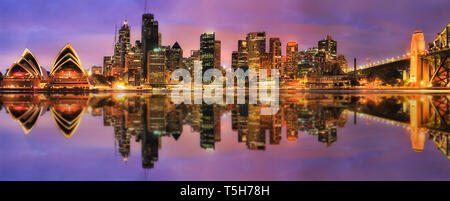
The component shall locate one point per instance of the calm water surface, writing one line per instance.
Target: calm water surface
(314, 136)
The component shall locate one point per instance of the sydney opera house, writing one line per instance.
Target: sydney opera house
(67, 72)
(25, 73)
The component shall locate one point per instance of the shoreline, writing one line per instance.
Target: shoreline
(281, 90)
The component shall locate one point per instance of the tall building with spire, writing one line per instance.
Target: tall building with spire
(149, 38)
(124, 45)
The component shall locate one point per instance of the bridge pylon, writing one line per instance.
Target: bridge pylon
(419, 71)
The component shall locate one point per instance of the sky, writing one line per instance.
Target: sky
(366, 29)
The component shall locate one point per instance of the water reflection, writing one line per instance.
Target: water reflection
(149, 117)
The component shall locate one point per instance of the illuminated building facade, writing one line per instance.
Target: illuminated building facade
(25, 73)
(256, 43)
(329, 46)
(107, 65)
(96, 70)
(266, 62)
(342, 62)
(217, 55)
(291, 60)
(308, 61)
(149, 38)
(67, 71)
(242, 60)
(133, 68)
(156, 60)
(275, 53)
(234, 60)
(175, 57)
(124, 42)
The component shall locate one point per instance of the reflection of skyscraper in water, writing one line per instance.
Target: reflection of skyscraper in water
(196, 117)
(174, 123)
(306, 121)
(207, 127)
(242, 123)
(155, 127)
(234, 117)
(291, 117)
(272, 124)
(156, 115)
(275, 129)
(123, 137)
(319, 120)
(107, 116)
(217, 126)
(328, 134)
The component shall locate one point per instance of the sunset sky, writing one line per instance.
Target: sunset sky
(364, 29)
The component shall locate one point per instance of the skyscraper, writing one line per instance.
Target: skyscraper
(149, 38)
(107, 64)
(275, 53)
(207, 41)
(242, 61)
(291, 59)
(242, 46)
(156, 60)
(266, 62)
(217, 54)
(234, 60)
(329, 46)
(133, 62)
(175, 57)
(256, 43)
(308, 60)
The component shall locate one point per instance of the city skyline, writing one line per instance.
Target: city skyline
(92, 33)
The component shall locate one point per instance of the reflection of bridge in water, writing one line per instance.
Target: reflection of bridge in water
(421, 114)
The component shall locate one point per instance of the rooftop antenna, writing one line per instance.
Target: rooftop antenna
(115, 36)
(115, 33)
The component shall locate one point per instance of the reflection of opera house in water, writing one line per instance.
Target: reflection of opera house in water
(67, 72)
